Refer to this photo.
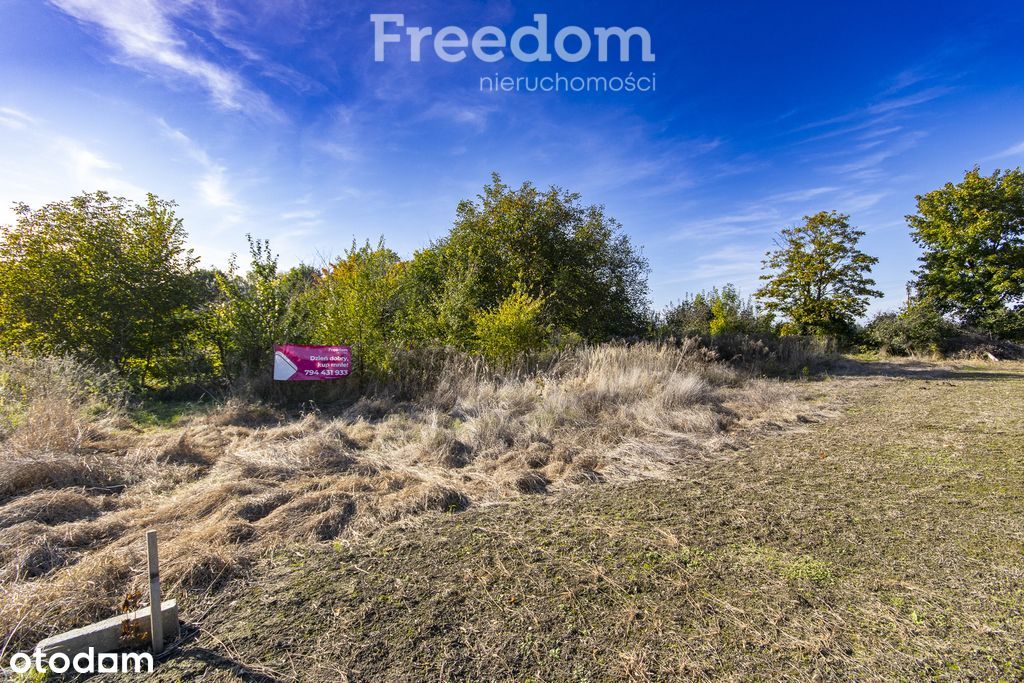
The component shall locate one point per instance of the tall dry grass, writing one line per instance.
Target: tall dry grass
(226, 487)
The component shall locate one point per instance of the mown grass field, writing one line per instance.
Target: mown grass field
(885, 542)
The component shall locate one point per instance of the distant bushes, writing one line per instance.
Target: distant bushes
(715, 312)
(110, 283)
(917, 328)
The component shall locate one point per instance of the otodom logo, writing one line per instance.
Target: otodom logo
(88, 662)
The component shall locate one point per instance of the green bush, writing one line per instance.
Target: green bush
(715, 312)
(917, 328)
(362, 302)
(256, 310)
(512, 328)
(594, 279)
(98, 277)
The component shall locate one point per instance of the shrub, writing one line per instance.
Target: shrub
(594, 278)
(100, 278)
(362, 302)
(917, 328)
(257, 310)
(715, 312)
(512, 328)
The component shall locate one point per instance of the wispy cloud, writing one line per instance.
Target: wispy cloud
(464, 114)
(89, 170)
(752, 220)
(145, 33)
(868, 166)
(43, 164)
(878, 111)
(12, 118)
(300, 215)
(767, 215)
(801, 195)
(212, 184)
(1012, 151)
(733, 264)
(907, 101)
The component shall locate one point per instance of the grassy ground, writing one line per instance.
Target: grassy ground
(236, 482)
(884, 543)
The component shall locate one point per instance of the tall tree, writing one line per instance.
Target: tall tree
(593, 281)
(972, 235)
(97, 276)
(819, 278)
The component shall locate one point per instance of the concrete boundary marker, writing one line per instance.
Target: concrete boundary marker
(106, 635)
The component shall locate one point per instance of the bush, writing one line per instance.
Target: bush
(512, 328)
(362, 302)
(917, 328)
(593, 277)
(715, 312)
(257, 310)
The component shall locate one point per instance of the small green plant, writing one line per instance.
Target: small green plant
(809, 569)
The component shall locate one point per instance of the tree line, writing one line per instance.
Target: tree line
(521, 270)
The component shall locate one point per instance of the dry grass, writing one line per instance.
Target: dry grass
(884, 545)
(229, 487)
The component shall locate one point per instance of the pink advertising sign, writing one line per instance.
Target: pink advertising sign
(294, 362)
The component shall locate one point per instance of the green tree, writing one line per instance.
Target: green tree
(818, 277)
(440, 301)
(361, 302)
(972, 235)
(99, 277)
(593, 278)
(258, 309)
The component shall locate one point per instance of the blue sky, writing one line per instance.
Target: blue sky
(273, 118)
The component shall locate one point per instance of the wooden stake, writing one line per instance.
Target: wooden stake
(156, 621)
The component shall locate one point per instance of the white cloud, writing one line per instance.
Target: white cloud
(212, 184)
(867, 166)
(12, 118)
(301, 215)
(88, 170)
(906, 101)
(145, 33)
(753, 220)
(734, 264)
(801, 195)
(213, 189)
(1015, 150)
(43, 165)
